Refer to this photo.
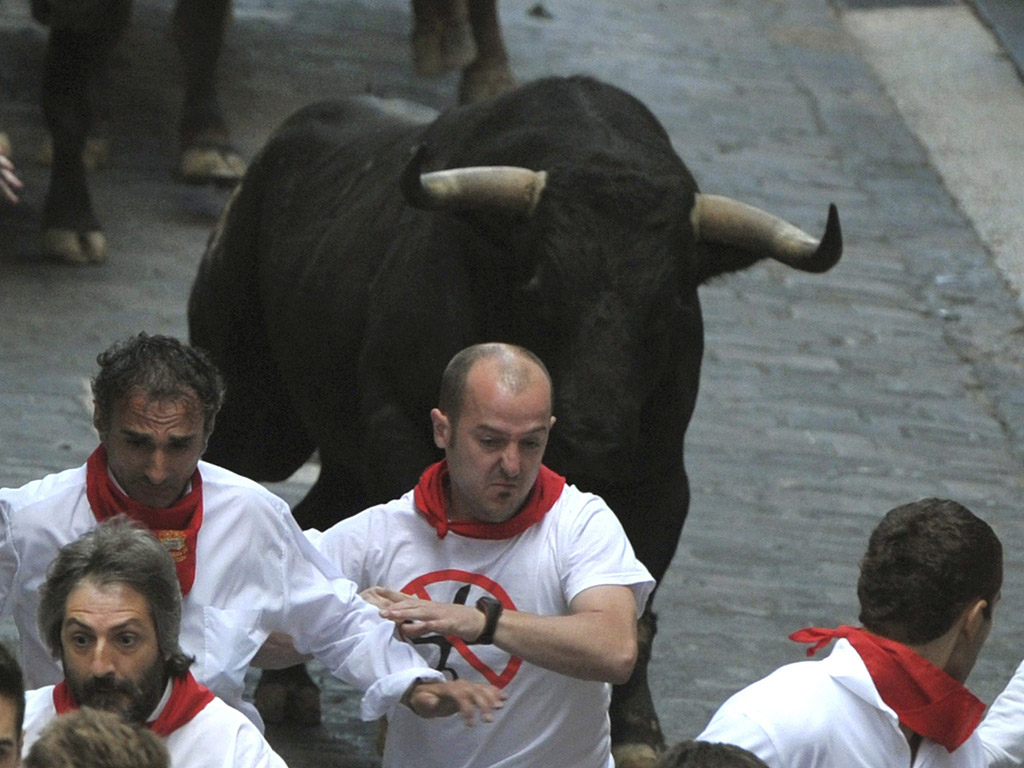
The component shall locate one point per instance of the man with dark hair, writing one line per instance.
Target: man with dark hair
(12, 709)
(244, 568)
(93, 738)
(498, 570)
(702, 754)
(110, 612)
(891, 693)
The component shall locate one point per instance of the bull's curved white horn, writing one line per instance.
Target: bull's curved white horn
(506, 188)
(718, 219)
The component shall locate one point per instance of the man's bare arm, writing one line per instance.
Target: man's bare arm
(595, 641)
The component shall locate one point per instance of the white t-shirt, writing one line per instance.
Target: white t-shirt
(218, 736)
(1002, 730)
(549, 719)
(255, 573)
(828, 714)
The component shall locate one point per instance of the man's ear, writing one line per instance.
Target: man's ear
(976, 617)
(442, 428)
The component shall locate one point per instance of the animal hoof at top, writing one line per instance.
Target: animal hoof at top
(221, 166)
(73, 247)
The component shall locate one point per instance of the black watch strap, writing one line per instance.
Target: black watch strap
(491, 609)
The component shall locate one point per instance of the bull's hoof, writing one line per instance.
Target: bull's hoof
(634, 755)
(73, 247)
(95, 153)
(211, 164)
(288, 696)
(479, 83)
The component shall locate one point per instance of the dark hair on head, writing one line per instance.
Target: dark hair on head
(161, 367)
(515, 373)
(12, 685)
(704, 754)
(94, 738)
(925, 563)
(117, 551)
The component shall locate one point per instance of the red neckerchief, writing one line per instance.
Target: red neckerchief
(177, 526)
(186, 701)
(926, 698)
(432, 503)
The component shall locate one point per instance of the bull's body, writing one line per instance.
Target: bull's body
(332, 306)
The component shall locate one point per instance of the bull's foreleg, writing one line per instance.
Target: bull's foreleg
(637, 739)
(653, 505)
(489, 74)
(75, 57)
(206, 152)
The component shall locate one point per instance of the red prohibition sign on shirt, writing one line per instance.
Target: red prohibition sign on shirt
(418, 587)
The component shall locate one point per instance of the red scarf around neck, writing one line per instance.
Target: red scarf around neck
(186, 701)
(926, 698)
(432, 502)
(177, 526)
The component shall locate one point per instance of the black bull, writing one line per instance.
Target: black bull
(332, 296)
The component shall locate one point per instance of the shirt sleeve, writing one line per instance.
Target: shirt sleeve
(731, 727)
(598, 553)
(326, 617)
(1002, 730)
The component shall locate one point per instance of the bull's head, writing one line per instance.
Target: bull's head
(611, 306)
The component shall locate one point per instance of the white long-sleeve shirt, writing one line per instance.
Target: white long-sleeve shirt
(255, 573)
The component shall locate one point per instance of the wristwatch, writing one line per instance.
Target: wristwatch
(491, 609)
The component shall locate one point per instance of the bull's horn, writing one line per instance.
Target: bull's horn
(502, 188)
(719, 219)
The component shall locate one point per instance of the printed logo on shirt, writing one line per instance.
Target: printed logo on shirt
(452, 585)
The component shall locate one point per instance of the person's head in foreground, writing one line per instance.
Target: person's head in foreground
(92, 738)
(703, 754)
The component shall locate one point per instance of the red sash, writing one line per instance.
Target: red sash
(926, 698)
(186, 701)
(177, 526)
(432, 503)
